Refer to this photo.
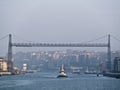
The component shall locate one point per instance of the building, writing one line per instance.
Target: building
(24, 67)
(3, 65)
(117, 64)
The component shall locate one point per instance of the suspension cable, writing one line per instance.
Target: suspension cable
(21, 38)
(33, 41)
(115, 38)
(97, 39)
(4, 37)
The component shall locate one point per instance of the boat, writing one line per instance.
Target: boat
(76, 71)
(87, 71)
(62, 73)
(90, 71)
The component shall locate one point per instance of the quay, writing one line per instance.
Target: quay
(5, 73)
(114, 75)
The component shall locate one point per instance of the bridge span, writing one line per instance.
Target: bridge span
(60, 45)
(10, 62)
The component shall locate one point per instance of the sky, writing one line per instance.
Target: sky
(59, 21)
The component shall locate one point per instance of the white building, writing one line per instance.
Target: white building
(3, 65)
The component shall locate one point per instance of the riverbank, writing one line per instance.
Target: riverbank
(5, 73)
(114, 75)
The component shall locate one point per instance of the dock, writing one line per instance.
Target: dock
(5, 73)
(114, 75)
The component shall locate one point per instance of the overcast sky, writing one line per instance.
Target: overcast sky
(59, 20)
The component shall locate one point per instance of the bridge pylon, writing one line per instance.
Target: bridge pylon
(109, 66)
(10, 61)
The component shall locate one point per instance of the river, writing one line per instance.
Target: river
(48, 81)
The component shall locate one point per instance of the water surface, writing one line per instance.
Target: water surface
(48, 81)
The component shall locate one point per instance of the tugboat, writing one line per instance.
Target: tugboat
(62, 73)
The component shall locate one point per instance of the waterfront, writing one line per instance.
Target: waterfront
(48, 81)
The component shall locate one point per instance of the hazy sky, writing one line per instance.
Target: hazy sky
(59, 20)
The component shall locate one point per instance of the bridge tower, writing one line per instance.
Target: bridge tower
(10, 61)
(109, 66)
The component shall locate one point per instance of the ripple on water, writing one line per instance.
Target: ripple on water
(14, 83)
(48, 81)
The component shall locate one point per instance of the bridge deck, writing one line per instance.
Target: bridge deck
(59, 45)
